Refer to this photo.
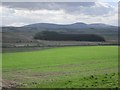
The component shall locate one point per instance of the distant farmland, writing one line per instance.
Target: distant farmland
(65, 67)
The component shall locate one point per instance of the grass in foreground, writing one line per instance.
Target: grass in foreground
(67, 67)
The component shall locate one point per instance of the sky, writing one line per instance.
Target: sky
(24, 13)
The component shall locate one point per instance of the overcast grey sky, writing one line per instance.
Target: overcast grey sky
(19, 14)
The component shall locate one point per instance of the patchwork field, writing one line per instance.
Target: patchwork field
(65, 67)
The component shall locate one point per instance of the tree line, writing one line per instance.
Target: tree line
(55, 36)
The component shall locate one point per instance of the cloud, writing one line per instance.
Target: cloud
(46, 5)
(18, 14)
(98, 9)
(90, 8)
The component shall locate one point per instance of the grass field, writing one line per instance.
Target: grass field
(65, 67)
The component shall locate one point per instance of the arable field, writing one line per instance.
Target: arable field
(65, 67)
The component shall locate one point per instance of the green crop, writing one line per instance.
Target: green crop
(65, 67)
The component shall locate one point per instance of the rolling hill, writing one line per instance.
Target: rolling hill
(77, 25)
(27, 32)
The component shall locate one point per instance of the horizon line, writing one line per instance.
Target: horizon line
(58, 24)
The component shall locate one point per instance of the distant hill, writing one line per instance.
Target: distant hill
(27, 32)
(78, 25)
(50, 26)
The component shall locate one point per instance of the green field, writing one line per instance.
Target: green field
(65, 67)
